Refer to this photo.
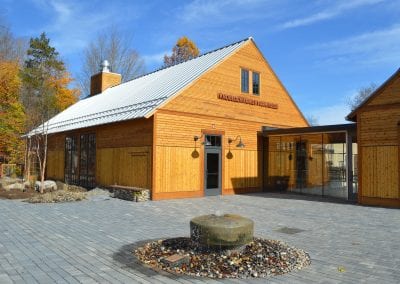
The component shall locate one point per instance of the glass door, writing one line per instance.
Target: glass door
(212, 165)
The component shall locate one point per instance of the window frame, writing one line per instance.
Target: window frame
(242, 80)
(258, 83)
(80, 159)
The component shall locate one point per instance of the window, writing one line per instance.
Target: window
(245, 81)
(71, 160)
(80, 160)
(87, 166)
(213, 140)
(256, 83)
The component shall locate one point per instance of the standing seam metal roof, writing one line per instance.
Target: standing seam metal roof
(137, 98)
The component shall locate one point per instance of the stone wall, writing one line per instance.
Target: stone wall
(131, 194)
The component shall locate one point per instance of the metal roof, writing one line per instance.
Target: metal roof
(136, 98)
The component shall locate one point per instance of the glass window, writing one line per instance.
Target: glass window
(245, 81)
(335, 179)
(256, 83)
(87, 160)
(80, 163)
(71, 160)
(213, 140)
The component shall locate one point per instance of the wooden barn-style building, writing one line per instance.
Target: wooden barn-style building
(223, 123)
(188, 130)
(378, 132)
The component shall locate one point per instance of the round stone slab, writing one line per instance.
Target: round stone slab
(225, 232)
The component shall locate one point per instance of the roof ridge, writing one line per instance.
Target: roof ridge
(142, 94)
(166, 67)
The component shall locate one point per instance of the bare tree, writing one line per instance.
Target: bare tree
(11, 48)
(312, 120)
(115, 47)
(362, 94)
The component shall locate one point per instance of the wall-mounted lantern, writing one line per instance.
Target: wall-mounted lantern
(196, 138)
(239, 145)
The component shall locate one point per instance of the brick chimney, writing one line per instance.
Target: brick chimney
(103, 80)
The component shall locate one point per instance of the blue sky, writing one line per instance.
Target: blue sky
(323, 51)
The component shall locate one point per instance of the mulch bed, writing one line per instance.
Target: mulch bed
(260, 258)
(17, 194)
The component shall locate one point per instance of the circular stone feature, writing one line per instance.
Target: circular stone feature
(227, 231)
(259, 258)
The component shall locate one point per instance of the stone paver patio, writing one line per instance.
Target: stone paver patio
(90, 241)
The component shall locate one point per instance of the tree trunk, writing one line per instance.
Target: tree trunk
(43, 167)
(28, 159)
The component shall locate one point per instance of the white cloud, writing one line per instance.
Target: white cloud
(375, 47)
(327, 13)
(211, 12)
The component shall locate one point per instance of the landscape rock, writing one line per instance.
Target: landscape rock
(4, 181)
(14, 186)
(49, 185)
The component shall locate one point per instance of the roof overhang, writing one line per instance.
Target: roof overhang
(348, 127)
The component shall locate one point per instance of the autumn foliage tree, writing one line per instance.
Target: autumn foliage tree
(45, 93)
(184, 50)
(12, 116)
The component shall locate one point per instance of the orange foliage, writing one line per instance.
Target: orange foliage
(64, 97)
(12, 116)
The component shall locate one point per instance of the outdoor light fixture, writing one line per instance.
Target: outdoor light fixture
(240, 144)
(196, 138)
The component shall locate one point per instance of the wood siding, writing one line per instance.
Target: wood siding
(201, 96)
(390, 95)
(379, 127)
(128, 166)
(179, 171)
(379, 143)
(380, 176)
(55, 157)
(123, 153)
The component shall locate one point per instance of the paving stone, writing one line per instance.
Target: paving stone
(90, 241)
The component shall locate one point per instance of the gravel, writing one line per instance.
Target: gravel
(260, 258)
(57, 196)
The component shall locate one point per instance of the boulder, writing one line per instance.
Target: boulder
(49, 185)
(14, 186)
(5, 181)
(227, 231)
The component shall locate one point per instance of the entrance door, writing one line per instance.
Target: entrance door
(212, 166)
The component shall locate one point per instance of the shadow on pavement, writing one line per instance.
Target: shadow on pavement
(299, 196)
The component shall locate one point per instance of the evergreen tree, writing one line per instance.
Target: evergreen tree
(45, 92)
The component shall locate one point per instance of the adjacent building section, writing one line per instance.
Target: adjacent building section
(319, 160)
(378, 131)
